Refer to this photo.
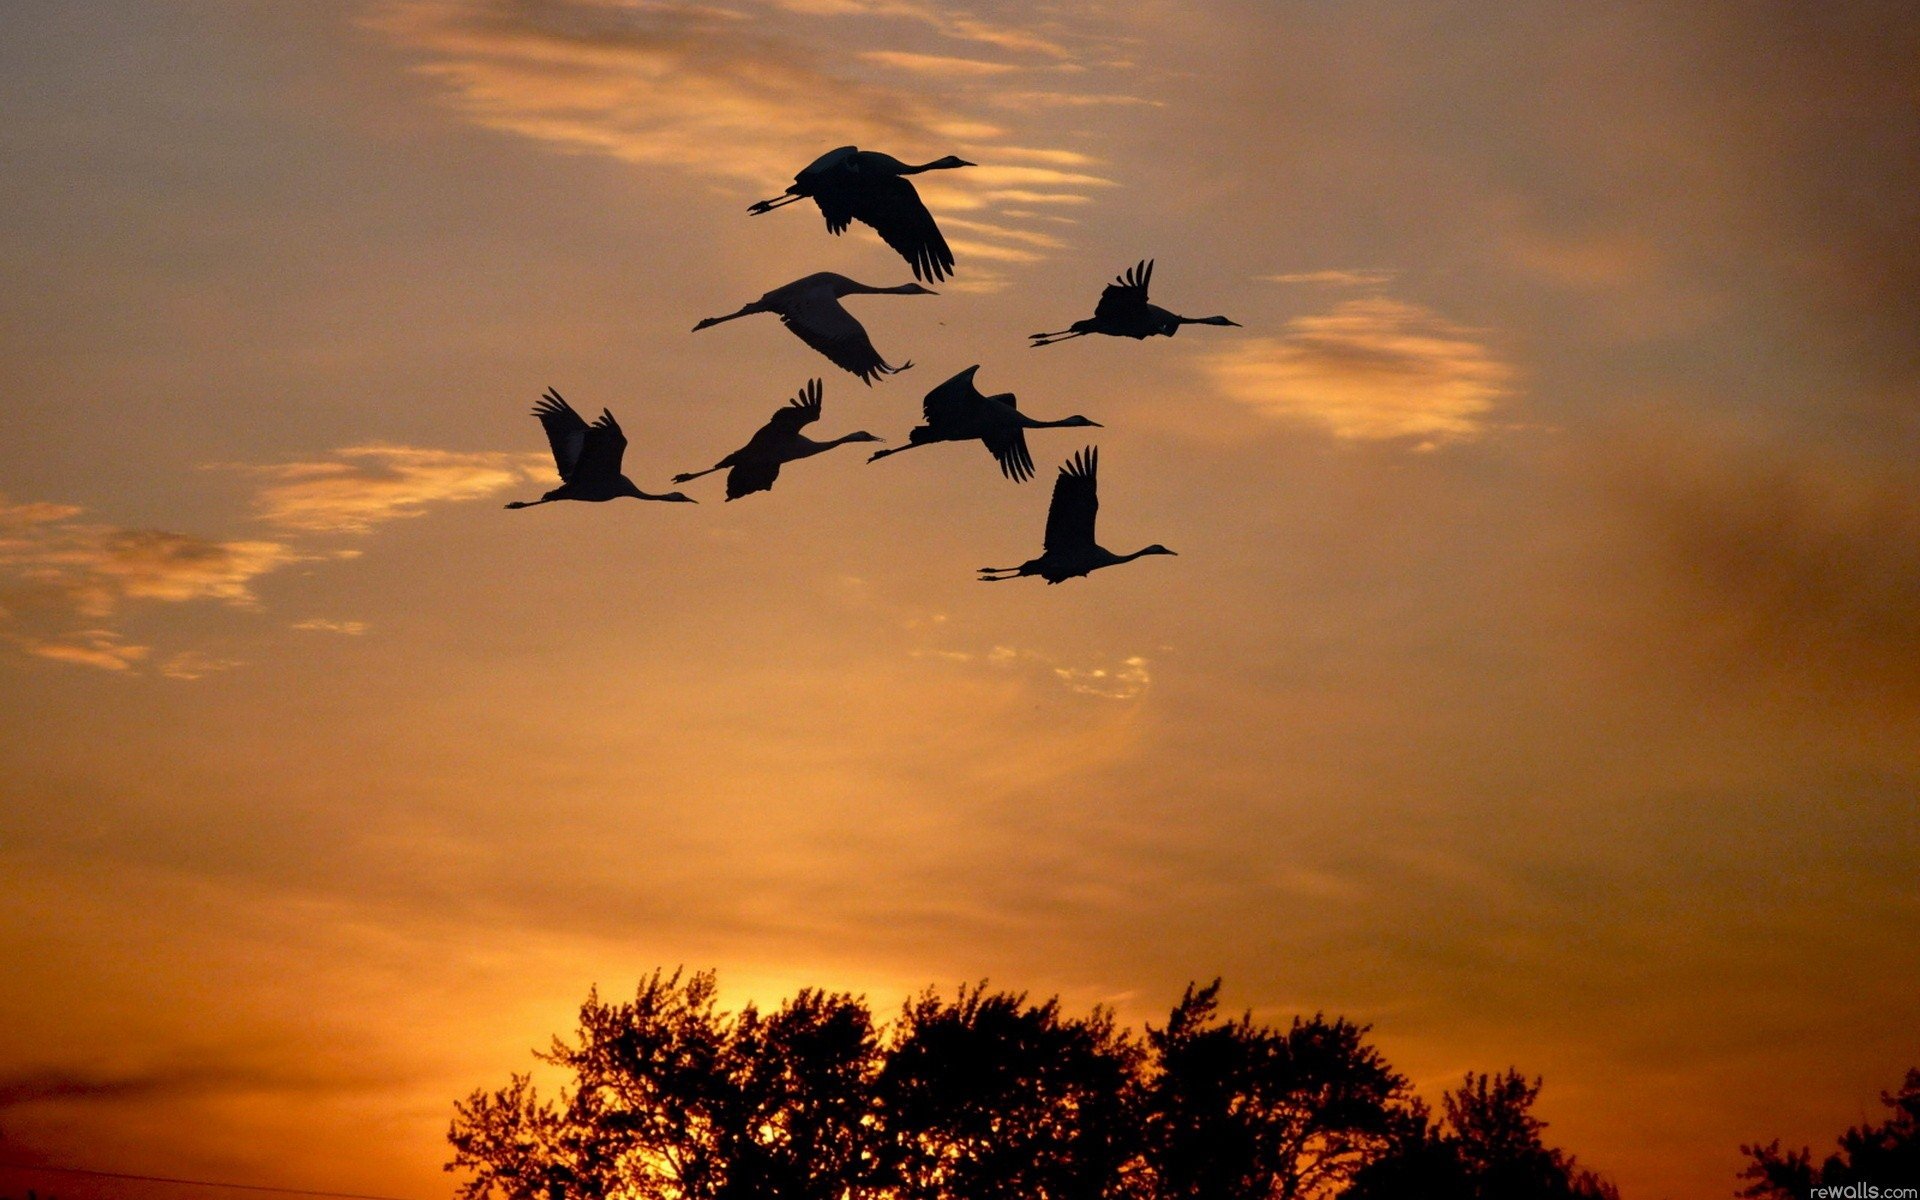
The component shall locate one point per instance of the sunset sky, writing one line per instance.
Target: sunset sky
(1538, 680)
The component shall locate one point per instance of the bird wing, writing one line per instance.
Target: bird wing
(820, 322)
(605, 445)
(836, 205)
(1009, 445)
(1127, 293)
(566, 432)
(832, 159)
(890, 205)
(955, 403)
(756, 475)
(1076, 501)
(798, 413)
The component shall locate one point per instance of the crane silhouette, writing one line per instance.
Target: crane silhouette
(957, 412)
(851, 184)
(587, 456)
(1123, 311)
(1070, 550)
(810, 307)
(754, 466)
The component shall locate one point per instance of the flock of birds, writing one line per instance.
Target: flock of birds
(849, 184)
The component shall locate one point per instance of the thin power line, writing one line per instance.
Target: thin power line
(238, 1187)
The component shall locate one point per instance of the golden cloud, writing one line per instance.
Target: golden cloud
(1371, 369)
(724, 92)
(1128, 679)
(663, 84)
(365, 486)
(100, 648)
(935, 64)
(958, 26)
(54, 563)
(1358, 278)
(192, 664)
(328, 625)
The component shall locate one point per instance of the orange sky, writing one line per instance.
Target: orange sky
(1538, 680)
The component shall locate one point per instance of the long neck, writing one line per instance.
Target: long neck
(809, 447)
(936, 165)
(856, 288)
(1125, 558)
(1061, 423)
(1204, 320)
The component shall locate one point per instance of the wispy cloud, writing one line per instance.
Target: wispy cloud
(936, 64)
(1371, 369)
(1062, 158)
(1122, 682)
(92, 1084)
(192, 664)
(62, 580)
(662, 84)
(50, 560)
(365, 486)
(1127, 679)
(100, 648)
(1045, 241)
(328, 625)
(1070, 100)
(1363, 278)
(956, 25)
(739, 93)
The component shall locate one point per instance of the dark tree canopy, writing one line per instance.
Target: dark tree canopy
(1887, 1154)
(993, 1098)
(1240, 1111)
(1487, 1145)
(987, 1096)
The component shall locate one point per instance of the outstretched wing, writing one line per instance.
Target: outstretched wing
(890, 205)
(1076, 502)
(826, 164)
(820, 322)
(1126, 294)
(605, 446)
(954, 404)
(836, 205)
(1009, 445)
(799, 412)
(566, 432)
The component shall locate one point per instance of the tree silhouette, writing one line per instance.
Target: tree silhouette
(1486, 1146)
(987, 1096)
(673, 1099)
(1886, 1154)
(992, 1098)
(796, 1125)
(1240, 1111)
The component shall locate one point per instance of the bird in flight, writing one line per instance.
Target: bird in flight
(587, 456)
(1123, 311)
(810, 307)
(851, 184)
(755, 466)
(957, 412)
(1070, 549)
